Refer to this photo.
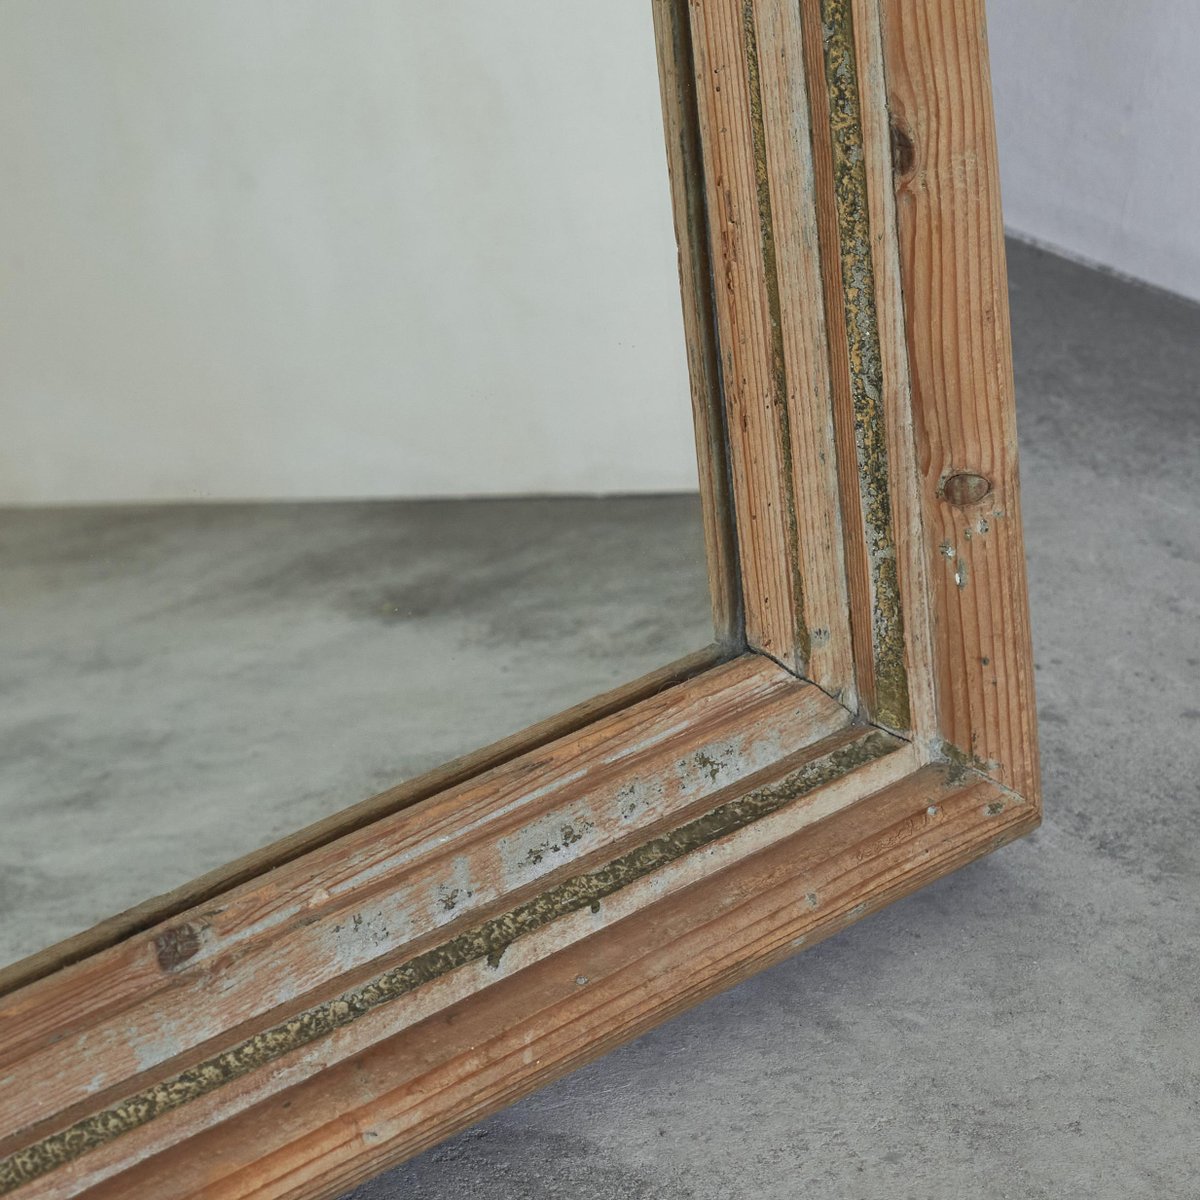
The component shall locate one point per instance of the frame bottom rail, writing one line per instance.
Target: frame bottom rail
(406, 1093)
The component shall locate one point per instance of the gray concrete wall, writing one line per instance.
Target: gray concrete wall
(1095, 104)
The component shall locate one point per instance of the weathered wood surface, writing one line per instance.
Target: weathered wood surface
(960, 356)
(320, 1138)
(393, 881)
(272, 950)
(766, 271)
(899, 427)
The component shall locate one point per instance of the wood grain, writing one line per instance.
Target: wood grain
(960, 356)
(858, 575)
(681, 124)
(320, 1138)
(766, 270)
(393, 883)
(792, 796)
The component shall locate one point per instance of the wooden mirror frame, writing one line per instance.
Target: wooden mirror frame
(317, 1012)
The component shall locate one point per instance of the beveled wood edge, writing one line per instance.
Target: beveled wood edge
(795, 141)
(904, 449)
(685, 170)
(336, 1130)
(258, 862)
(53, 1184)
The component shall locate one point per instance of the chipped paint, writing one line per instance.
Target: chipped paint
(630, 803)
(866, 361)
(456, 888)
(547, 839)
(486, 942)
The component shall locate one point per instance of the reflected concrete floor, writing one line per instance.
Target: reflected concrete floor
(1030, 1027)
(184, 684)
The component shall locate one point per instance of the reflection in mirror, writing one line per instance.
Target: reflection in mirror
(345, 414)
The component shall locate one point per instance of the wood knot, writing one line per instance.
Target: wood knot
(176, 945)
(904, 148)
(966, 488)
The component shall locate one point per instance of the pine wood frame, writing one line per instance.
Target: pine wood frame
(324, 1008)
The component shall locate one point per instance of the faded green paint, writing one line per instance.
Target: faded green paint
(486, 942)
(779, 382)
(866, 361)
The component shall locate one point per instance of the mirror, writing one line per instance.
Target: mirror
(345, 410)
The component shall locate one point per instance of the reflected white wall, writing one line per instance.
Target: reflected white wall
(297, 248)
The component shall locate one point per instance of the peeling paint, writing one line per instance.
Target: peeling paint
(568, 835)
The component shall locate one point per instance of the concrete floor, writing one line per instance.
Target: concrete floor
(1028, 1028)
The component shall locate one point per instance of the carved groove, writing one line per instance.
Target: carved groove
(801, 635)
(866, 362)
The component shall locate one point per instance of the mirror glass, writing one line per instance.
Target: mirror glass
(345, 414)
